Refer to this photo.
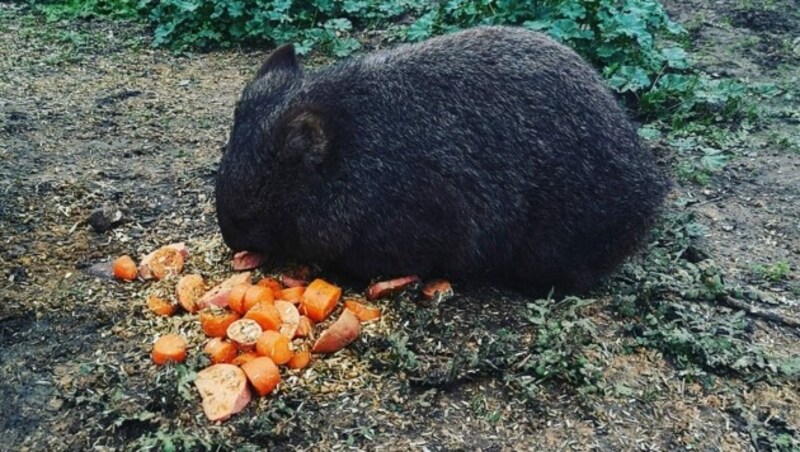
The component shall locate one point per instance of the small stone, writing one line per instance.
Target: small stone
(105, 218)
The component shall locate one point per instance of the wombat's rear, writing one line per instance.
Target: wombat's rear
(489, 152)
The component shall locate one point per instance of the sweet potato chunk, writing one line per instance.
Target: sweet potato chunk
(224, 390)
(343, 331)
(386, 288)
(218, 295)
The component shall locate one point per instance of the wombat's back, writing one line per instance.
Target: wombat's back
(493, 150)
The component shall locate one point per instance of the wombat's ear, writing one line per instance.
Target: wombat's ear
(281, 59)
(305, 138)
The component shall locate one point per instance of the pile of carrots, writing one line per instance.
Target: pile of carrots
(254, 328)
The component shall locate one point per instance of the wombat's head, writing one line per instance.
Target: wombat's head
(269, 175)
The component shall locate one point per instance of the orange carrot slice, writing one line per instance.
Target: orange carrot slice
(319, 299)
(220, 351)
(215, 321)
(293, 294)
(270, 283)
(125, 268)
(236, 297)
(223, 388)
(274, 345)
(386, 288)
(169, 348)
(266, 315)
(364, 312)
(300, 359)
(244, 357)
(160, 306)
(244, 333)
(343, 331)
(256, 295)
(189, 290)
(263, 374)
(290, 318)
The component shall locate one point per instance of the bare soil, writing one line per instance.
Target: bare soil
(92, 117)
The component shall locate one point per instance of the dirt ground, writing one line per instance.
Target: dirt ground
(92, 117)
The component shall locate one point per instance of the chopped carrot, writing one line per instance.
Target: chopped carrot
(263, 374)
(300, 359)
(304, 327)
(266, 315)
(169, 348)
(363, 311)
(220, 351)
(437, 289)
(244, 357)
(290, 318)
(343, 331)
(386, 288)
(244, 333)
(215, 321)
(256, 295)
(160, 306)
(223, 388)
(189, 290)
(293, 294)
(275, 346)
(236, 297)
(270, 283)
(319, 299)
(125, 268)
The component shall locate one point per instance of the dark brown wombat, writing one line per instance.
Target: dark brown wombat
(490, 152)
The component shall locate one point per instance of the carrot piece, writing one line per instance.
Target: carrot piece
(220, 351)
(169, 348)
(263, 374)
(293, 294)
(125, 268)
(275, 346)
(189, 290)
(266, 315)
(256, 295)
(244, 333)
(223, 388)
(363, 311)
(243, 358)
(437, 289)
(386, 288)
(300, 359)
(319, 299)
(270, 283)
(304, 327)
(215, 321)
(160, 306)
(236, 297)
(165, 261)
(343, 331)
(290, 318)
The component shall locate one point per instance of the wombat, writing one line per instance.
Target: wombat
(491, 152)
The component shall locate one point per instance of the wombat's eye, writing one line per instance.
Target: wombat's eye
(225, 146)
